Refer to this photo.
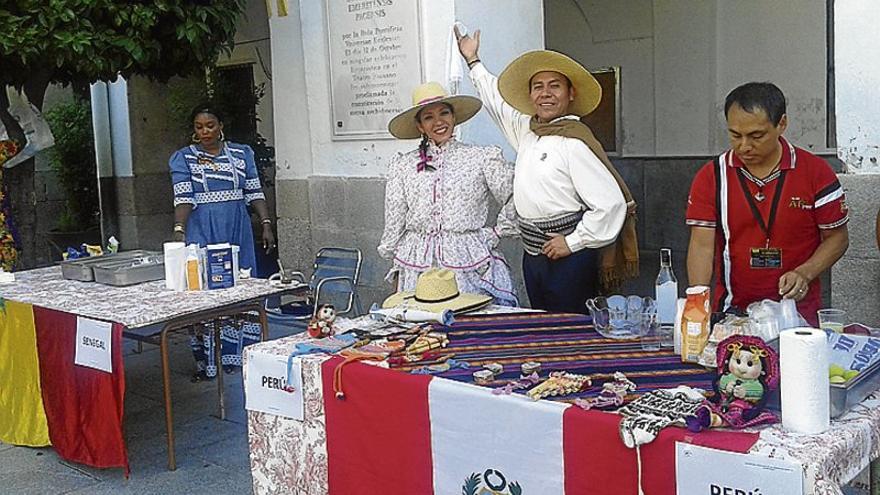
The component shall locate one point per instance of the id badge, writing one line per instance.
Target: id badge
(768, 257)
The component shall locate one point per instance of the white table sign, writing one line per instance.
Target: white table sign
(701, 470)
(266, 388)
(94, 344)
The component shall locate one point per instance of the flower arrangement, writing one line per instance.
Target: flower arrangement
(8, 251)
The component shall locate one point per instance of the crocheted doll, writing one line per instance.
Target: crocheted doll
(321, 324)
(748, 370)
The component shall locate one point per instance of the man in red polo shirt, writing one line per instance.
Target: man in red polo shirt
(766, 218)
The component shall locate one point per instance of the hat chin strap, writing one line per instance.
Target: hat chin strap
(431, 301)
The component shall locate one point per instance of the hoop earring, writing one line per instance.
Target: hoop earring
(222, 136)
(195, 137)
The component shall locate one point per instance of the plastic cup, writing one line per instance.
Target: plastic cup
(832, 319)
(649, 332)
(667, 337)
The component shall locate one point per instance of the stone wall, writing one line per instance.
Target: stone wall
(36, 198)
(856, 277)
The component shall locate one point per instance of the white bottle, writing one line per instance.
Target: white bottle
(666, 289)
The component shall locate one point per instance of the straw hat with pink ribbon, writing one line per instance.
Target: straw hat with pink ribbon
(403, 125)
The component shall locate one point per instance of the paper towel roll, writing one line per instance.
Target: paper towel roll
(175, 265)
(804, 388)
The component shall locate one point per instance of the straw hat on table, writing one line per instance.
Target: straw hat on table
(437, 291)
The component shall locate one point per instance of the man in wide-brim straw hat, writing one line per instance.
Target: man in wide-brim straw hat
(437, 200)
(576, 216)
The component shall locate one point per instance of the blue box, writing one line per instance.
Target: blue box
(219, 268)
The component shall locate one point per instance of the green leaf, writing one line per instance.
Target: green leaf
(471, 483)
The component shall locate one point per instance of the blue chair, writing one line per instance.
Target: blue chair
(334, 281)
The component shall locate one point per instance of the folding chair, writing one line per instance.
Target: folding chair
(334, 281)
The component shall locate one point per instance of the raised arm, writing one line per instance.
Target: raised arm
(512, 123)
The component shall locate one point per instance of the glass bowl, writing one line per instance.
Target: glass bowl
(617, 316)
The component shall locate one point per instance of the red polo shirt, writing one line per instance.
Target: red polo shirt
(811, 199)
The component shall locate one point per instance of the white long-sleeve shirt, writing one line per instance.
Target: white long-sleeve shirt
(555, 175)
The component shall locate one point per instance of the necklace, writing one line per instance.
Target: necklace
(759, 196)
(206, 158)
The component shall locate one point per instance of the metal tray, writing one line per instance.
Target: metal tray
(844, 395)
(82, 268)
(131, 271)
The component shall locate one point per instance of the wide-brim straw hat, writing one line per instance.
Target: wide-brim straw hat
(437, 291)
(514, 81)
(403, 125)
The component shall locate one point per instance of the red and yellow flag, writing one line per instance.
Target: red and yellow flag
(22, 417)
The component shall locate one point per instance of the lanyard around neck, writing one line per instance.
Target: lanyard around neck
(768, 226)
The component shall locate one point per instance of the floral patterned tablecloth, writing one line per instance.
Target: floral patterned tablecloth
(133, 306)
(835, 457)
(290, 456)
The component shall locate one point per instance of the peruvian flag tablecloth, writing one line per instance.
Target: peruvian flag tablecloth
(399, 433)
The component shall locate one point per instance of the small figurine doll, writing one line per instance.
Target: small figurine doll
(748, 370)
(321, 324)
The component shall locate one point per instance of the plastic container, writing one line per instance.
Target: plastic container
(619, 317)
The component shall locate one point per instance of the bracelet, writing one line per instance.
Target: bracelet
(473, 62)
(266, 221)
(178, 227)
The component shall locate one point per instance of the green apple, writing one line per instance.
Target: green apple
(837, 379)
(850, 374)
(836, 370)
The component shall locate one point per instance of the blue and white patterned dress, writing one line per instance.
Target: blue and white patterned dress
(219, 187)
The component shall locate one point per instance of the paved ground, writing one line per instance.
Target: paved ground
(212, 455)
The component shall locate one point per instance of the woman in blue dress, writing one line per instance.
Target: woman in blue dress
(214, 182)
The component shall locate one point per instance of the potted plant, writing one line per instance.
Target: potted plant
(73, 162)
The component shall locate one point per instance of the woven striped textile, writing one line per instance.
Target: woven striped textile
(534, 234)
(561, 342)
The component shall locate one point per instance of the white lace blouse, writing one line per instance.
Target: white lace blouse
(438, 217)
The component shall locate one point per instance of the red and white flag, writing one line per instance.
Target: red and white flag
(395, 433)
(507, 444)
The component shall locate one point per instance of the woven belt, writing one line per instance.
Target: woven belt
(534, 233)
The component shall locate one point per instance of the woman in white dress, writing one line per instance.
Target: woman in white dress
(437, 200)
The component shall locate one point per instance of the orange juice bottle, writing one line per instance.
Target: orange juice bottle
(695, 321)
(193, 269)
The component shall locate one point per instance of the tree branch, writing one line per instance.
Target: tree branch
(13, 128)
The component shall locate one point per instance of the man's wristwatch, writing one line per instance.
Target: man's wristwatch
(178, 227)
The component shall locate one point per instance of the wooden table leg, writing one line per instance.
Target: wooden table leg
(264, 323)
(166, 385)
